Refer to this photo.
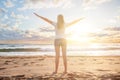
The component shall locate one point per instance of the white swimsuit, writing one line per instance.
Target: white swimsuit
(59, 33)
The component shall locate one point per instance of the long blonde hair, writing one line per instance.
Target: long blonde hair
(60, 22)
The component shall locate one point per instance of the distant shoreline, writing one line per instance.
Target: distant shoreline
(47, 42)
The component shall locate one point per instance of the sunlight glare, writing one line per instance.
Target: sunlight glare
(81, 32)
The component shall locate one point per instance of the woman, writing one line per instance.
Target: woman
(60, 39)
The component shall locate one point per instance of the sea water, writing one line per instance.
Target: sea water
(94, 49)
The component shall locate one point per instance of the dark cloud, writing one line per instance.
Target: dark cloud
(109, 34)
(99, 34)
(36, 1)
(2, 10)
(17, 34)
(112, 29)
(46, 29)
(8, 34)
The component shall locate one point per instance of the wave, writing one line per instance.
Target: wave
(20, 50)
(50, 49)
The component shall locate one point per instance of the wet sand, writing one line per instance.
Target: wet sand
(42, 67)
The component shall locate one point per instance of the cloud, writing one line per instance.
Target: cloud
(8, 4)
(3, 14)
(112, 29)
(2, 10)
(109, 34)
(37, 34)
(5, 17)
(34, 35)
(46, 29)
(3, 25)
(115, 20)
(38, 4)
(18, 16)
(14, 22)
(118, 17)
(93, 4)
(14, 33)
(99, 34)
(118, 9)
(9, 33)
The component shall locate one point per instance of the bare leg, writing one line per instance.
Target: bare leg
(64, 58)
(57, 50)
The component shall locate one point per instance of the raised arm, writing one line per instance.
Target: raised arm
(73, 22)
(45, 19)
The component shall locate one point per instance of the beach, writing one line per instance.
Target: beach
(42, 67)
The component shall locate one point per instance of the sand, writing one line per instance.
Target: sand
(42, 67)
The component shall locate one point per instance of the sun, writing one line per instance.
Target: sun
(81, 32)
(79, 38)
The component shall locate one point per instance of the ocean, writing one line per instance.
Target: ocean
(94, 49)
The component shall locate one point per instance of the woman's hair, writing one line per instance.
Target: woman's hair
(60, 22)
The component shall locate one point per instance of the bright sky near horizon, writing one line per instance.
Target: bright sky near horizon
(101, 19)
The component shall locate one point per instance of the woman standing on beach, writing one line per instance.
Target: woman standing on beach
(60, 38)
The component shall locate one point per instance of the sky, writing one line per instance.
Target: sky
(101, 21)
